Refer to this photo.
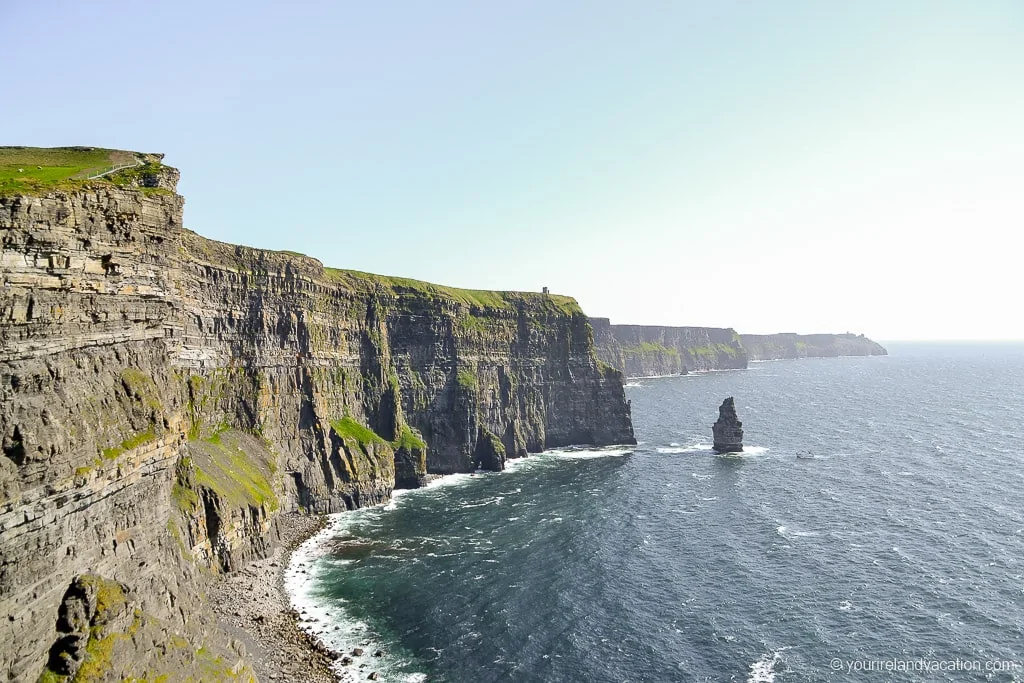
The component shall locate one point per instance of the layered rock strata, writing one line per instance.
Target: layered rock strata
(165, 396)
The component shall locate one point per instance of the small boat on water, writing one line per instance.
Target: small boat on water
(805, 455)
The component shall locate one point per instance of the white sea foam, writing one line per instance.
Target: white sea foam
(676, 448)
(763, 670)
(490, 501)
(747, 452)
(336, 631)
(786, 532)
(596, 453)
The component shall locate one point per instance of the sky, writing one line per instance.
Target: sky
(785, 166)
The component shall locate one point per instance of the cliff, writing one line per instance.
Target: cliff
(653, 350)
(789, 345)
(166, 396)
(650, 350)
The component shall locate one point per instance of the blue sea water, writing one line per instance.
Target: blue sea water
(890, 550)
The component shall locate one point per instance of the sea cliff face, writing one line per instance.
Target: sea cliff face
(650, 350)
(653, 350)
(789, 345)
(165, 397)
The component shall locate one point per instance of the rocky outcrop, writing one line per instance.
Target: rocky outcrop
(651, 350)
(728, 430)
(490, 452)
(165, 396)
(789, 345)
(104, 634)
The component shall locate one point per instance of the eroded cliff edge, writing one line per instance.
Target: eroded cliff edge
(165, 396)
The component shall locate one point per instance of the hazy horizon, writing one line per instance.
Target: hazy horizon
(795, 167)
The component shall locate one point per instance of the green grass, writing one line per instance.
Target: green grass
(99, 648)
(650, 348)
(40, 169)
(347, 428)
(185, 499)
(109, 594)
(473, 298)
(230, 473)
(128, 444)
(142, 386)
(49, 676)
(408, 440)
(466, 379)
(133, 177)
(472, 323)
(713, 351)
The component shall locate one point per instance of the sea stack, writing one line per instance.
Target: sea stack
(728, 430)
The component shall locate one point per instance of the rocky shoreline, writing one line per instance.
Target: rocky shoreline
(254, 607)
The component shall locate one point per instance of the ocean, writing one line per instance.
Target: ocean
(872, 530)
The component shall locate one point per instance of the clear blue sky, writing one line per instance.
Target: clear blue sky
(782, 166)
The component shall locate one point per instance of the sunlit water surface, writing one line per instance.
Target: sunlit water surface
(877, 514)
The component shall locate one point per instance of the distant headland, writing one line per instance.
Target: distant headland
(651, 350)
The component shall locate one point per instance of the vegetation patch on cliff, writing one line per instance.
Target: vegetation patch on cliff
(466, 379)
(128, 444)
(224, 467)
(347, 428)
(408, 439)
(650, 348)
(473, 298)
(714, 350)
(141, 386)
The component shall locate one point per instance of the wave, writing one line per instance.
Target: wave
(675, 448)
(786, 532)
(747, 452)
(763, 670)
(609, 452)
(490, 501)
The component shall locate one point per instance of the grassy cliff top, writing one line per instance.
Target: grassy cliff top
(479, 298)
(31, 170)
(253, 259)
